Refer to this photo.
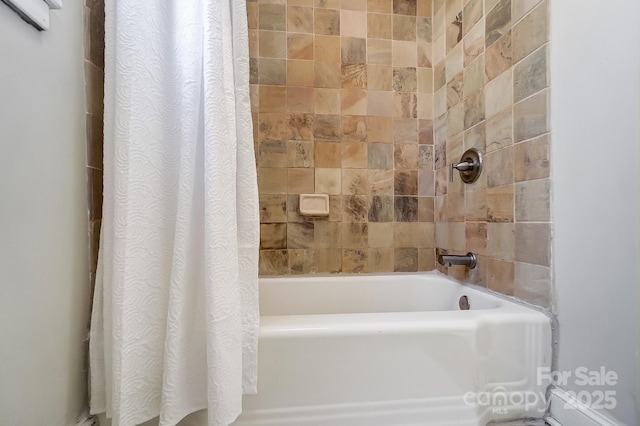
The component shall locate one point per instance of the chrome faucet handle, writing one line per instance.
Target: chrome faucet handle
(470, 166)
(461, 167)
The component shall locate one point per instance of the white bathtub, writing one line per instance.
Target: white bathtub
(394, 350)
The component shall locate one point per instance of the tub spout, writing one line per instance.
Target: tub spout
(469, 260)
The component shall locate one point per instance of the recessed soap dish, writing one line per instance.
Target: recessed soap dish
(314, 204)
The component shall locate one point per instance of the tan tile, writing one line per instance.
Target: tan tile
(499, 166)
(426, 235)
(425, 132)
(380, 182)
(273, 99)
(326, 128)
(424, 7)
(405, 234)
(475, 137)
(532, 283)
(498, 21)
(272, 154)
(380, 6)
(380, 104)
(300, 154)
(300, 46)
(425, 55)
(378, 25)
(353, 24)
(474, 109)
(474, 77)
(500, 203)
(355, 234)
(404, 28)
(531, 159)
(501, 240)
(406, 157)
(379, 77)
(425, 157)
(299, 73)
(498, 57)
(301, 126)
(327, 234)
(380, 129)
(454, 62)
(405, 105)
(455, 120)
(477, 237)
(355, 208)
(426, 259)
(326, 48)
(453, 32)
(272, 17)
(499, 130)
(354, 102)
(328, 4)
(301, 262)
(335, 210)
(380, 208)
(531, 116)
(471, 15)
(425, 80)
(252, 15)
(327, 22)
(424, 30)
(379, 52)
(439, 50)
(254, 45)
(273, 236)
(476, 205)
(405, 130)
(380, 234)
(272, 44)
(272, 71)
(273, 208)
(300, 19)
(300, 99)
(327, 155)
(498, 94)
(500, 276)
(273, 262)
(328, 181)
(405, 182)
(328, 74)
(404, 54)
(533, 243)
(404, 7)
(426, 209)
(354, 155)
(380, 156)
(327, 101)
(272, 180)
(405, 79)
(300, 235)
(454, 91)
(353, 50)
(442, 176)
(328, 260)
(355, 261)
(380, 260)
(532, 201)
(456, 206)
(300, 180)
(532, 32)
(531, 75)
(354, 128)
(405, 259)
(405, 209)
(355, 182)
(300, 3)
(354, 76)
(439, 76)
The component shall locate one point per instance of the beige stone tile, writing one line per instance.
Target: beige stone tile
(439, 48)
(405, 105)
(425, 106)
(474, 77)
(380, 6)
(500, 204)
(406, 157)
(326, 128)
(424, 30)
(498, 94)
(301, 262)
(327, 101)
(500, 130)
(273, 262)
(532, 283)
(531, 75)
(354, 5)
(300, 99)
(476, 235)
(456, 206)
(380, 156)
(328, 260)
(252, 15)
(531, 159)
(299, 46)
(472, 12)
(425, 80)
(272, 44)
(299, 19)
(326, 48)
(354, 155)
(355, 234)
(326, 22)
(405, 182)
(380, 208)
(328, 74)
(379, 52)
(380, 260)
(440, 104)
(273, 236)
(273, 127)
(424, 7)
(273, 208)
(253, 43)
(533, 243)
(380, 234)
(478, 275)
(533, 31)
(328, 181)
(404, 28)
(300, 180)
(442, 177)
(500, 276)
(353, 50)
(489, 4)
(355, 208)
(405, 209)
(499, 166)
(426, 209)
(353, 24)
(354, 128)
(454, 62)
(355, 261)
(457, 236)
(425, 134)
(327, 155)
(380, 104)
(453, 32)
(501, 240)
(354, 76)
(405, 259)
(405, 79)
(300, 3)
(273, 99)
(299, 73)
(532, 201)
(379, 77)
(498, 21)
(272, 71)
(454, 91)
(404, 53)
(476, 205)
(405, 234)
(425, 157)
(380, 129)
(300, 154)
(272, 180)
(300, 235)
(473, 43)
(379, 25)
(475, 137)
(301, 126)
(327, 234)
(531, 116)
(442, 235)
(380, 182)
(404, 7)
(272, 17)
(425, 55)
(455, 120)
(354, 102)
(272, 154)
(439, 76)
(439, 19)
(498, 57)
(426, 234)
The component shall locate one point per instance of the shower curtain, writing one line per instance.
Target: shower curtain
(175, 315)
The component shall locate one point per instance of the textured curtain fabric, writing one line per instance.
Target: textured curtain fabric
(175, 321)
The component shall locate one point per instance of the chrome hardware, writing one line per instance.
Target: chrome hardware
(464, 304)
(469, 260)
(470, 166)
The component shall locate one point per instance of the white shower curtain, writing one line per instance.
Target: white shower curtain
(175, 317)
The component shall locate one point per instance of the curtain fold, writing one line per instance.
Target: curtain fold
(175, 321)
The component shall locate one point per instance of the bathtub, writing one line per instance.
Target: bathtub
(394, 350)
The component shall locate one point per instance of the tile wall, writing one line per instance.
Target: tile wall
(342, 100)
(491, 91)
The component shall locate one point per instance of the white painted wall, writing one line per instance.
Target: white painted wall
(595, 77)
(44, 291)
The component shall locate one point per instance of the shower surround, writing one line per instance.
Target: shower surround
(369, 102)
